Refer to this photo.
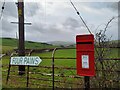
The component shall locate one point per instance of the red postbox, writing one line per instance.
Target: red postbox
(85, 55)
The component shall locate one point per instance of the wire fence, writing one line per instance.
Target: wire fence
(65, 77)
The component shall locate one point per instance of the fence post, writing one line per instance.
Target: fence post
(53, 65)
(9, 68)
(27, 75)
(8, 73)
(87, 82)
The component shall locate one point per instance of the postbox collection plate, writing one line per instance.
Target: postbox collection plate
(85, 61)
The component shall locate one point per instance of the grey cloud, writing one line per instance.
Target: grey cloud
(38, 27)
(45, 28)
(113, 5)
(10, 9)
(55, 29)
(47, 33)
(67, 27)
(31, 8)
(7, 26)
(51, 3)
(71, 23)
(33, 29)
(102, 5)
(97, 5)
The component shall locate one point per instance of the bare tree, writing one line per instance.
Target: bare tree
(103, 50)
(101, 40)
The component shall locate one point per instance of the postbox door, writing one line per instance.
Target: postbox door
(85, 63)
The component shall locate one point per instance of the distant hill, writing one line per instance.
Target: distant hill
(11, 42)
(61, 43)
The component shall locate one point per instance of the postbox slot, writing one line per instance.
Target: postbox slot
(84, 43)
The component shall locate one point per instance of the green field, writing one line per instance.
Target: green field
(44, 74)
(45, 62)
(65, 63)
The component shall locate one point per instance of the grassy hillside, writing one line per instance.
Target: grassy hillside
(28, 44)
(61, 43)
(10, 44)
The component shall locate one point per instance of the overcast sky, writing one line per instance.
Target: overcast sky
(57, 20)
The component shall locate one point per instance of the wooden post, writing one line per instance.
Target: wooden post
(21, 46)
(87, 82)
